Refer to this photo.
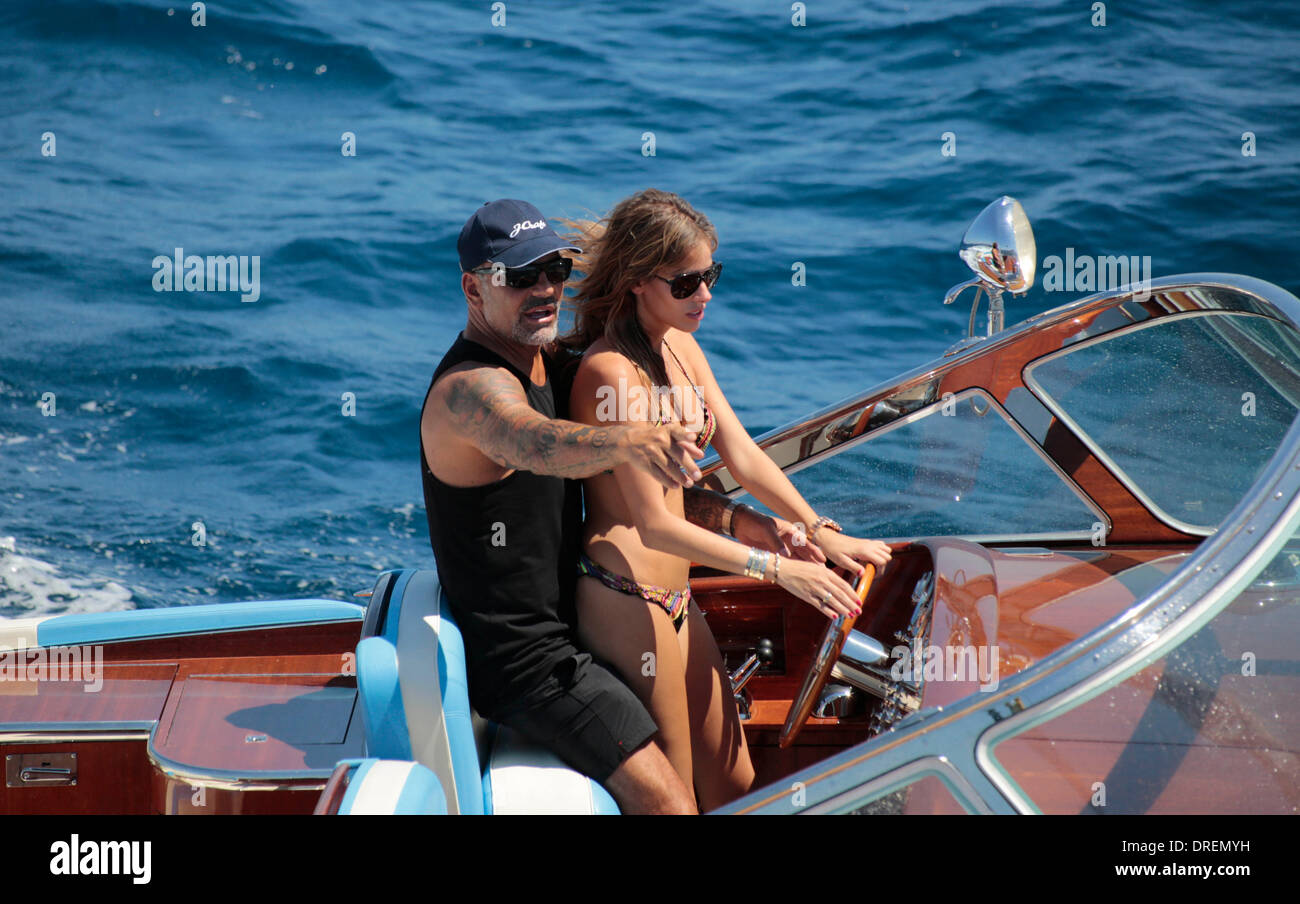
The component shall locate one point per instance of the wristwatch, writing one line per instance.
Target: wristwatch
(821, 522)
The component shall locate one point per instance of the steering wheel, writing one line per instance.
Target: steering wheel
(824, 658)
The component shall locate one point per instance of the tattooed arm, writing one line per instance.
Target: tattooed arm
(486, 407)
(748, 525)
(705, 507)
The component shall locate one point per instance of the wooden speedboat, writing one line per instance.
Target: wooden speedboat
(1093, 605)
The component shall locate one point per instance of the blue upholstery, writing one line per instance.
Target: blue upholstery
(605, 803)
(381, 700)
(106, 627)
(415, 705)
(395, 605)
(429, 659)
(388, 787)
(456, 709)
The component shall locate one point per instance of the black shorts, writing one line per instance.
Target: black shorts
(583, 714)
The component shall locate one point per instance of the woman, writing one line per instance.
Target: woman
(649, 272)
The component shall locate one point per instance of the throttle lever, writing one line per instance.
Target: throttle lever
(749, 668)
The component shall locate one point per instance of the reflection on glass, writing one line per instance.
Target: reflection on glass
(1190, 409)
(1211, 727)
(959, 469)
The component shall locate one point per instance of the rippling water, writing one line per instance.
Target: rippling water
(819, 144)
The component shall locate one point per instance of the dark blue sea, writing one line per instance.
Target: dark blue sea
(128, 415)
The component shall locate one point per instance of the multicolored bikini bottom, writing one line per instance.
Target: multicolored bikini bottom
(674, 602)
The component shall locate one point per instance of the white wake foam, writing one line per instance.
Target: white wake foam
(36, 588)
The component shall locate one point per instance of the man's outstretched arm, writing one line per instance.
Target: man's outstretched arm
(487, 407)
(708, 510)
(705, 508)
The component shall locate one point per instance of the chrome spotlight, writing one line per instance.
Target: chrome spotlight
(999, 247)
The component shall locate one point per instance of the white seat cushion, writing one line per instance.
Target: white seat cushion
(523, 778)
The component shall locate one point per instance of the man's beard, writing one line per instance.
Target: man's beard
(524, 336)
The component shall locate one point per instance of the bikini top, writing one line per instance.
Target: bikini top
(710, 427)
(710, 422)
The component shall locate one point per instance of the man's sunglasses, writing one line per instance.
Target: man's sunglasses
(557, 271)
(684, 285)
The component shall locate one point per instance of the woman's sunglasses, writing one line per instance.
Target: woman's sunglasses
(557, 271)
(684, 285)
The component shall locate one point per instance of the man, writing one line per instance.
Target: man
(505, 523)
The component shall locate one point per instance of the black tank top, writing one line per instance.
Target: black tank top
(507, 556)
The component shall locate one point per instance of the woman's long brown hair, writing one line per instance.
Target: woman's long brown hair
(642, 233)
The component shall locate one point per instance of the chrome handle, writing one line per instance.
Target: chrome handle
(741, 676)
(744, 673)
(31, 773)
(47, 769)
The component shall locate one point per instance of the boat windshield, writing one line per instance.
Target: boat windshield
(960, 466)
(1186, 410)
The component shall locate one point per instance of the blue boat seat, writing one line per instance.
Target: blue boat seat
(390, 787)
(411, 676)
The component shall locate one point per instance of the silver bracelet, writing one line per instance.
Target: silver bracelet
(756, 566)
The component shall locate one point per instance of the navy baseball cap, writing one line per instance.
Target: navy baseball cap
(510, 233)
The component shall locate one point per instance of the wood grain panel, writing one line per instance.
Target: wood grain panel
(169, 796)
(272, 724)
(126, 693)
(290, 640)
(112, 777)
